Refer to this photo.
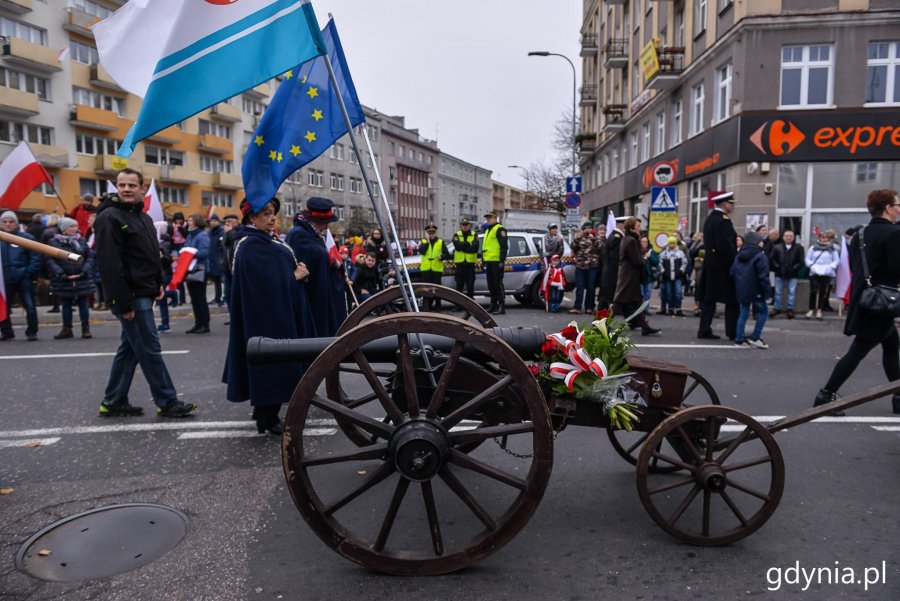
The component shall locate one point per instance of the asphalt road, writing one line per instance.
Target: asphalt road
(590, 537)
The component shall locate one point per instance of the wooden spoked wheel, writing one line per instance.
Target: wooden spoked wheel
(698, 391)
(733, 485)
(471, 499)
(390, 300)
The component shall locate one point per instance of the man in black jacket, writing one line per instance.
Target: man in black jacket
(786, 260)
(716, 284)
(128, 258)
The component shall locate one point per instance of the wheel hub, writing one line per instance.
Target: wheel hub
(419, 449)
(712, 477)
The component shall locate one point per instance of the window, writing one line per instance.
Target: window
(402, 151)
(676, 122)
(91, 186)
(217, 199)
(83, 53)
(634, 149)
(698, 97)
(866, 172)
(23, 31)
(93, 145)
(337, 152)
(645, 143)
(723, 4)
(356, 185)
(25, 82)
(252, 107)
(614, 164)
(337, 181)
(210, 164)
(98, 100)
(163, 156)
(428, 160)
(391, 148)
(49, 190)
(806, 76)
(215, 129)
(723, 93)
(13, 131)
(699, 17)
(660, 134)
(173, 195)
(392, 172)
(315, 178)
(91, 8)
(517, 246)
(679, 28)
(883, 73)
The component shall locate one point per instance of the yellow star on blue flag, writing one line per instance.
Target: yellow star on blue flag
(303, 120)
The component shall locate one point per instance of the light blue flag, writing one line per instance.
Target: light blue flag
(183, 56)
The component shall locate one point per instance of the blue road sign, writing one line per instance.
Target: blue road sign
(573, 184)
(664, 198)
(573, 200)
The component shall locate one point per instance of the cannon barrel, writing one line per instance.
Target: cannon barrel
(526, 342)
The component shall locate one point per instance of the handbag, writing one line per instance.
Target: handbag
(877, 299)
(198, 275)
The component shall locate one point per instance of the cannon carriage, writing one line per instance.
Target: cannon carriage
(445, 440)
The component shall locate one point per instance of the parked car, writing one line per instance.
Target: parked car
(523, 272)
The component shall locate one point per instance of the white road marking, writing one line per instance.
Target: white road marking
(24, 442)
(249, 434)
(77, 355)
(705, 346)
(886, 428)
(172, 425)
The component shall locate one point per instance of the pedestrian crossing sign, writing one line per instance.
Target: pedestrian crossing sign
(663, 198)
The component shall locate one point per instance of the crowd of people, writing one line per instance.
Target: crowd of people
(131, 265)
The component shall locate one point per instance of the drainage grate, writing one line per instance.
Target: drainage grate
(102, 542)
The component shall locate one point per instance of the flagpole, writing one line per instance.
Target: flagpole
(409, 299)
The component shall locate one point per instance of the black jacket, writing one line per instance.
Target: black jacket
(882, 240)
(127, 253)
(786, 262)
(720, 248)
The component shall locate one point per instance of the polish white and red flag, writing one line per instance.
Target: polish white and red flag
(152, 205)
(185, 263)
(334, 252)
(842, 281)
(20, 173)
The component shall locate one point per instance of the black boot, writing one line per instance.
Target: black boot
(824, 397)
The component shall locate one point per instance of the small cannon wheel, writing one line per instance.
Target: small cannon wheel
(469, 505)
(390, 300)
(732, 487)
(698, 391)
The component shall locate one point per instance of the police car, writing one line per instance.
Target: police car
(523, 272)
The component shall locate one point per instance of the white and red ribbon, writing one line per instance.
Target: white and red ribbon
(581, 361)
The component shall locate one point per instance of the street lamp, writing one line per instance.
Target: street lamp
(574, 100)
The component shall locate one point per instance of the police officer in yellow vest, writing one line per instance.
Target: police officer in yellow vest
(434, 253)
(493, 255)
(465, 254)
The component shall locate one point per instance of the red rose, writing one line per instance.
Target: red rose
(548, 349)
(534, 369)
(602, 314)
(570, 332)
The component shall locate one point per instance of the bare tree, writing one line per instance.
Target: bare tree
(547, 179)
(565, 141)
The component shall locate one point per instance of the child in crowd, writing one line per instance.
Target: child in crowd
(366, 281)
(672, 263)
(556, 283)
(751, 279)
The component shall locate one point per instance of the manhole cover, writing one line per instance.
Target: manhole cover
(102, 542)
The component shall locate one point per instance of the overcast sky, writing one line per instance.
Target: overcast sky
(461, 69)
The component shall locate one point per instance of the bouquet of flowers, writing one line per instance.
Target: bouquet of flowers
(591, 363)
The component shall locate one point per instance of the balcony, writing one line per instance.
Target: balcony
(615, 117)
(214, 144)
(671, 65)
(101, 79)
(32, 56)
(169, 135)
(588, 95)
(227, 181)
(587, 142)
(19, 7)
(93, 118)
(615, 54)
(109, 164)
(225, 112)
(80, 22)
(177, 174)
(614, 2)
(589, 45)
(50, 156)
(259, 92)
(17, 102)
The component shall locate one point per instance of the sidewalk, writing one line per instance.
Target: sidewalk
(47, 319)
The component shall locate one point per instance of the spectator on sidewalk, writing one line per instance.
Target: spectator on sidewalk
(786, 261)
(196, 277)
(69, 282)
(82, 213)
(751, 280)
(822, 259)
(367, 277)
(215, 260)
(672, 263)
(586, 252)
(20, 268)
(628, 298)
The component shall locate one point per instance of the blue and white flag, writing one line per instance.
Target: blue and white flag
(183, 56)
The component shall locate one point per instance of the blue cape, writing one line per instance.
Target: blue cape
(326, 284)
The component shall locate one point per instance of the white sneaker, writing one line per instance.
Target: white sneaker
(758, 343)
(809, 314)
(819, 314)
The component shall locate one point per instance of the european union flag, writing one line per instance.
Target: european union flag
(303, 121)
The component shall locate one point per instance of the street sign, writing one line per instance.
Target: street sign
(573, 184)
(573, 217)
(573, 200)
(663, 198)
(664, 173)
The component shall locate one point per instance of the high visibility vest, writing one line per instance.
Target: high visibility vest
(490, 249)
(461, 257)
(431, 260)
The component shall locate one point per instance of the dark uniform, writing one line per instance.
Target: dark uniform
(609, 276)
(465, 254)
(493, 254)
(716, 284)
(434, 253)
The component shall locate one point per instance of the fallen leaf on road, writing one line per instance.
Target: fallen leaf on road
(44, 552)
(32, 444)
(7, 491)
(361, 472)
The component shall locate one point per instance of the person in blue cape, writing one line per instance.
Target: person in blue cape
(268, 298)
(326, 280)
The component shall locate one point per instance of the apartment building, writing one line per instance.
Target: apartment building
(505, 197)
(791, 104)
(464, 190)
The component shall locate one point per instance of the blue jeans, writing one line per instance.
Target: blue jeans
(670, 291)
(25, 289)
(646, 293)
(791, 293)
(83, 312)
(139, 346)
(585, 282)
(556, 296)
(762, 314)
